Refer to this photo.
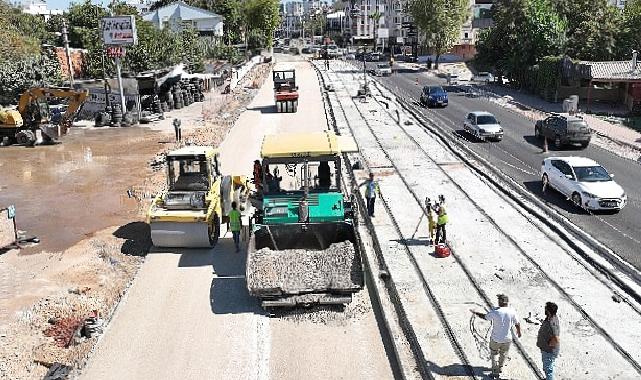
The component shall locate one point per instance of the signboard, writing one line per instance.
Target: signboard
(7, 226)
(383, 33)
(400, 40)
(116, 51)
(119, 30)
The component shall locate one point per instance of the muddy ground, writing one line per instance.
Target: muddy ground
(85, 199)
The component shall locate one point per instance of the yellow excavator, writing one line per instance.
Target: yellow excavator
(33, 114)
(197, 200)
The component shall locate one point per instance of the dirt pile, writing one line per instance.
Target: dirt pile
(293, 271)
(89, 277)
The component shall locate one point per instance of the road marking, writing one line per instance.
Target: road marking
(263, 347)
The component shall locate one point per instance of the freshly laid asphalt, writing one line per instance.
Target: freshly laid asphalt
(519, 155)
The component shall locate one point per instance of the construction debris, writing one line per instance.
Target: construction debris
(293, 271)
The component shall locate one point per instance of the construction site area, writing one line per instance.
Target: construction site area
(280, 229)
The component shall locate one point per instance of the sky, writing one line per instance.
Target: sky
(64, 4)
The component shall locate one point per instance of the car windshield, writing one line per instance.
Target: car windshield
(383, 66)
(591, 174)
(436, 90)
(485, 119)
(484, 74)
(578, 126)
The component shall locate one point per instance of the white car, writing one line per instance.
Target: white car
(483, 77)
(582, 180)
(383, 70)
(483, 126)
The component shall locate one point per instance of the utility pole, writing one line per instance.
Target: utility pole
(65, 39)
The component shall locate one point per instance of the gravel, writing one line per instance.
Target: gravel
(294, 271)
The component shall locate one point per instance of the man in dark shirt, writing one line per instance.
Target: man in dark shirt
(548, 339)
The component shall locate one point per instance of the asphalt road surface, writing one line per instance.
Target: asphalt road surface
(188, 314)
(520, 154)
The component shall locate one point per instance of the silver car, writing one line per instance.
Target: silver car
(483, 125)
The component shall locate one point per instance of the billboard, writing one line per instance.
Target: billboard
(119, 30)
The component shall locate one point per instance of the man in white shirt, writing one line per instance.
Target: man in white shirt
(503, 319)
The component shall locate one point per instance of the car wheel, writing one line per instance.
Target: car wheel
(545, 183)
(557, 142)
(576, 199)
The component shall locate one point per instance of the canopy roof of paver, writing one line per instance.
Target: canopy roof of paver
(314, 144)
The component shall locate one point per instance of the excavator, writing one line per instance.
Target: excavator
(33, 113)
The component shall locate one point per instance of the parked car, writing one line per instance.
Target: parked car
(432, 96)
(483, 77)
(483, 125)
(582, 180)
(350, 57)
(306, 50)
(564, 130)
(383, 70)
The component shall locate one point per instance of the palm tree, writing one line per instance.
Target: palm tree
(376, 16)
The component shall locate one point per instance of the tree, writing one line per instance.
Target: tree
(376, 17)
(232, 11)
(630, 37)
(524, 31)
(261, 19)
(593, 27)
(439, 21)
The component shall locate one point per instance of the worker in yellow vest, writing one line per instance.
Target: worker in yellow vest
(431, 222)
(235, 225)
(441, 221)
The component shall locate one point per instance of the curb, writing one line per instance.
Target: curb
(601, 134)
(385, 294)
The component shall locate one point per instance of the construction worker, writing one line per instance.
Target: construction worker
(431, 223)
(503, 319)
(324, 175)
(235, 225)
(177, 130)
(258, 173)
(548, 339)
(370, 194)
(441, 221)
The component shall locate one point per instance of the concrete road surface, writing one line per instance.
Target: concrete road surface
(188, 314)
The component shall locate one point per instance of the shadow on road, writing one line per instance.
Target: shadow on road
(264, 109)
(457, 370)
(553, 197)
(137, 237)
(228, 292)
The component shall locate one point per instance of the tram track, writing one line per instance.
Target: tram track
(471, 279)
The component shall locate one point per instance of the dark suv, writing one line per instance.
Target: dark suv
(434, 96)
(564, 130)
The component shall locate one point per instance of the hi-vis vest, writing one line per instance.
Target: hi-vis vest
(442, 216)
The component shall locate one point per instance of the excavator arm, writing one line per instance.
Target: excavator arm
(76, 99)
